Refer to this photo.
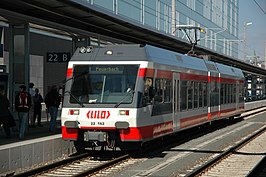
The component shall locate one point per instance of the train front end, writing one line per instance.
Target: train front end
(100, 101)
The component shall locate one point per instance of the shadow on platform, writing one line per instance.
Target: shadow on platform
(31, 133)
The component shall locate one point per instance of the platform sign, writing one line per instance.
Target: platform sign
(57, 57)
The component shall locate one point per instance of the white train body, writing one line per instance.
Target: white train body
(126, 94)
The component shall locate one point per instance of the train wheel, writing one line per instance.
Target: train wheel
(130, 146)
(80, 146)
(231, 118)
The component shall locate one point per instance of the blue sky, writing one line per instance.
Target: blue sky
(253, 11)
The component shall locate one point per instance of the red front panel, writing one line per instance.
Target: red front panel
(69, 133)
(146, 132)
(130, 134)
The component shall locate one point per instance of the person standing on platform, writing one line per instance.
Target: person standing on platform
(22, 106)
(4, 112)
(37, 99)
(52, 101)
(31, 111)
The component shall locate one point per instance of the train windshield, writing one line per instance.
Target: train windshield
(103, 84)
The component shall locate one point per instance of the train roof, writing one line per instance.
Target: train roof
(135, 52)
(141, 53)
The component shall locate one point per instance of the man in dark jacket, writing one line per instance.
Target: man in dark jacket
(22, 106)
(52, 101)
(4, 112)
(38, 99)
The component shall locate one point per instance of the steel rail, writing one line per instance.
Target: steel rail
(102, 166)
(146, 150)
(223, 155)
(51, 165)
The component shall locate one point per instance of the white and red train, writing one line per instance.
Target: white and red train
(126, 95)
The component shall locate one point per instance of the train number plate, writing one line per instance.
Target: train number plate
(97, 123)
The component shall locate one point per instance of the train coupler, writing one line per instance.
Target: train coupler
(95, 136)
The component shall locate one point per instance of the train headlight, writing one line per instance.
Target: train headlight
(87, 49)
(123, 112)
(73, 112)
(108, 52)
(82, 50)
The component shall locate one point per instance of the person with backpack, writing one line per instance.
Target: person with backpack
(52, 101)
(22, 106)
(37, 99)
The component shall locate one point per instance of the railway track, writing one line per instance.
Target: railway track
(239, 160)
(100, 165)
(80, 165)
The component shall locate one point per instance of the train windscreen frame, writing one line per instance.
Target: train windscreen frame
(103, 84)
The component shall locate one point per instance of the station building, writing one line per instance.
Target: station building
(32, 44)
(219, 19)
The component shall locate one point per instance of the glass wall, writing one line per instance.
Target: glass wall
(218, 17)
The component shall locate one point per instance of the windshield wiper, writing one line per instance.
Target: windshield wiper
(75, 98)
(131, 92)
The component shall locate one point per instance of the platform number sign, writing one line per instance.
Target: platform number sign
(57, 57)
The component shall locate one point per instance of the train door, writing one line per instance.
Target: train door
(214, 93)
(176, 100)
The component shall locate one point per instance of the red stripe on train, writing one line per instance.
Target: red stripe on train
(194, 120)
(184, 76)
(148, 72)
(69, 72)
(164, 74)
(146, 132)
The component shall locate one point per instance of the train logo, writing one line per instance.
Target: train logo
(98, 114)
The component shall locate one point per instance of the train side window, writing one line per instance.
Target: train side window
(183, 95)
(204, 88)
(163, 91)
(158, 91)
(226, 93)
(200, 95)
(148, 91)
(232, 100)
(196, 94)
(163, 97)
(190, 94)
(241, 91)
(167, 91)
(230, 93)
(234, 93)
(222, 94)
(214, 94)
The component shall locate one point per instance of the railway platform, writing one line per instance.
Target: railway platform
(41, 146)
(31, 133)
